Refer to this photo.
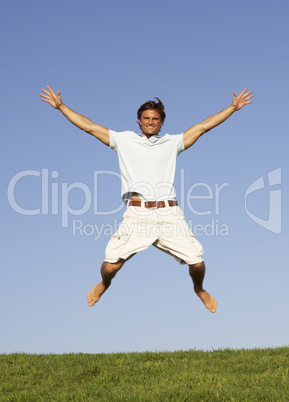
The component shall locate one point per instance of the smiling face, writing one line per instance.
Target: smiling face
(150, 122)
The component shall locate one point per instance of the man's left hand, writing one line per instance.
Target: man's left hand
(242, 99)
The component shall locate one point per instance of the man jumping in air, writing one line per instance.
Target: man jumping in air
(147, 164)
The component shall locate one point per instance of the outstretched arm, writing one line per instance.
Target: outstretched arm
(82, 122)
(193, 133)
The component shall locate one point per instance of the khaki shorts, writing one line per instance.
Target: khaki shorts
(164, 228)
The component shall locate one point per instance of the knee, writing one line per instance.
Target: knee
(198, 265)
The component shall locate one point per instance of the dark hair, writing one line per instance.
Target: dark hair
(152, 105)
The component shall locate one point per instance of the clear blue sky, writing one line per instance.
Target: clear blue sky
(107, 58)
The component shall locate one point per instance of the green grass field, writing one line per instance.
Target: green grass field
(221, 375)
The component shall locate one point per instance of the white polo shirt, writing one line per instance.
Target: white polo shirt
(147, 165)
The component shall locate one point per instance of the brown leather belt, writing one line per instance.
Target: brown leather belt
(152, 204)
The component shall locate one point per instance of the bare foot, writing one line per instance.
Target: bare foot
(95, 293)
(209, 301)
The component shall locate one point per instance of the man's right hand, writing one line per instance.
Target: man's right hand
(51, 98)
(82, 122)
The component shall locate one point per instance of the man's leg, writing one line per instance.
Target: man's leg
(108, 271)
(197, 273)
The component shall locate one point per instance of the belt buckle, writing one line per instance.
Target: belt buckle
(152, 204)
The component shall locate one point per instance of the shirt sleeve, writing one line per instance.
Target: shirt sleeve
(112, 140)
(180, 143)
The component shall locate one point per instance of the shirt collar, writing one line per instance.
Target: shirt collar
(152, 138)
